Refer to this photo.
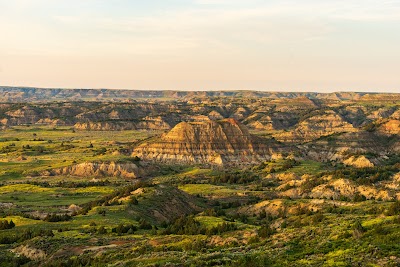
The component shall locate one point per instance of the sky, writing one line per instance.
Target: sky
(279, 45)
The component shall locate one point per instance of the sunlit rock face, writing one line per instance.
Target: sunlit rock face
(98, 169)
(317, 126)
(390, 127)
(224, 142)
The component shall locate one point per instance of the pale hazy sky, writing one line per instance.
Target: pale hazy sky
(318, 45)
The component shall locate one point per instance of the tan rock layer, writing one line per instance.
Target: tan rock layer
(316, 127)
(94, 169)
(214, 142)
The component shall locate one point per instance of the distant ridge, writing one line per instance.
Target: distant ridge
(31, 94)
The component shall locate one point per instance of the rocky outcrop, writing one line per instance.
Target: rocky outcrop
(153, 123)
(356, 114)
(74, 209)
(339, 147)
(105, 126)
(24, 115)
(99, 169)
(390, 127)
(271, 121)
(259, 121)
(358, 162)
(345, 188)
(51, 114)
(240, 114)
(30, 252)
(315, 127)
(147, 123)
(381, 113)
(396, 177)
(224, 142)
(215, 115)
(396, 115)
(273, 207)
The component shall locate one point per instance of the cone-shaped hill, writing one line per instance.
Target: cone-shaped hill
(224, 142)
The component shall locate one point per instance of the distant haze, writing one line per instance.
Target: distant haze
(280, 45)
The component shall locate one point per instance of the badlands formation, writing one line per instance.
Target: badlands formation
(224, 142)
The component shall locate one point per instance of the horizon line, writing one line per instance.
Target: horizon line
(200, 90)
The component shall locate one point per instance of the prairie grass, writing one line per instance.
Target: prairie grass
(24, 188)
(208, 189)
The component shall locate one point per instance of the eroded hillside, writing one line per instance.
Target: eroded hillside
(164, 178)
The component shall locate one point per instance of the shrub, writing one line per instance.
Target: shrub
(101, 212)
(124, 229)
(394, 209)
(185, 225)
(133, 201)
(221, 228)
(4, 224)
(265, 231)
(251, 260)
(57, 218)
(102, 230)
(358, 229)
(317, 218)
(359, 198)
(143, 224)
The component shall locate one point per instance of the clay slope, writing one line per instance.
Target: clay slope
(317, 126)
(390, 127)
(105, 126)
(224, 142)
(99, 169)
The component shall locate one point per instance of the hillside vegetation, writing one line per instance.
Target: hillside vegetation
(199, 179)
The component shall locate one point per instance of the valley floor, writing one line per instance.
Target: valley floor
(283, 212)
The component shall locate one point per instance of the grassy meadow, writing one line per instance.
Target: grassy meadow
(177, 215)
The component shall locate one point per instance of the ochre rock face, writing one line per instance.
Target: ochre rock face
(391, 127)
(98, 169)
(104, 126)
(214, 142)
(358, 162)
(315, 127)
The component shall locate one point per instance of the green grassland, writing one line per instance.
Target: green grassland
(25, 150)
(331, 242)
(177, 215)
(207, 190)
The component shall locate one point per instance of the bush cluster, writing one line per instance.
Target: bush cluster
(25, 235)
(237, 177)
(4, 224)
(124, 229)
(57, 217)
